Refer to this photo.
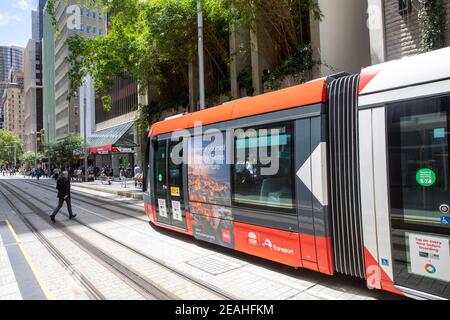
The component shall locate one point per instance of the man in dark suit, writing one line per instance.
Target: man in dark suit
(63, 186)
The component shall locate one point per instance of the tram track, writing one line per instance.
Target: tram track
(145, 287)
(81, 197)
(81, 200)
(200, 283)
(89, 288)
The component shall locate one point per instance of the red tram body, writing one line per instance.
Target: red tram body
(363, 186)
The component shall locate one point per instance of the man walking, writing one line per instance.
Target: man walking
(63, 186)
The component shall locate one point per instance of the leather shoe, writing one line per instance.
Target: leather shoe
(53, 219)
(73, 217)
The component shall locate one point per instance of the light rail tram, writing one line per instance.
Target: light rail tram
(363, 186)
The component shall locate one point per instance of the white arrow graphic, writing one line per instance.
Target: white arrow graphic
(313, 174)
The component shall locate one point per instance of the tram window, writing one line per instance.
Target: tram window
(160, 168)
(253, 186)
(175, 175)
(418, 138)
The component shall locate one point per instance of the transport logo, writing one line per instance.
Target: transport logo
(430, 268)
(268, 243)
(252, 239)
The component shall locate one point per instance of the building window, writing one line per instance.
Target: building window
(87, 13)
(404, 7)
(100, 31)
(88, 29)
(94, 30)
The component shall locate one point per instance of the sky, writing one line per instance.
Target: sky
(15, 21)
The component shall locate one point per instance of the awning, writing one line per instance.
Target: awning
(116, 139)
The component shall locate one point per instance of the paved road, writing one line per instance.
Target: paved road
(176, 265)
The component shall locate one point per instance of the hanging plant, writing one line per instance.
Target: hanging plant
(432, 21)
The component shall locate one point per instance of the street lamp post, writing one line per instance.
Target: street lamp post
(34, 134)
(201, 58)
(48, 144)
(86, 152)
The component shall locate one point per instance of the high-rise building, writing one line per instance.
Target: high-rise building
(35, 25)
(33, 90)
(48, 58)
(41, 7)
(13, 105)
(91, 22)
(11, 59)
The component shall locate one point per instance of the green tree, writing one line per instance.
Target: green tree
(153, 41)
(10, 148)
(433, 22)
(28, 159)
(64, 152)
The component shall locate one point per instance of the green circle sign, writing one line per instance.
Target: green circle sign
(426, 177)
(160, 177)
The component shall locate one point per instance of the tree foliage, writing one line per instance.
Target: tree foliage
(153, 41)
(9, 144)
(66, 151)
(432, 21)
(29, 158)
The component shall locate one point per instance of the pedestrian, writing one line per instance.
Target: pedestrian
(123, 178)
(56, 174)
(137, 170)
(79, 175)
(63, 186)
(137, 175)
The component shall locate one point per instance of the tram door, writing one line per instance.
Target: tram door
(418, 135)
(170, 207)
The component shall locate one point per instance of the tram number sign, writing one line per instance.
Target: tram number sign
(426, 177)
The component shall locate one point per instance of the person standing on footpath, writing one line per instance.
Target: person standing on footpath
(63, 186)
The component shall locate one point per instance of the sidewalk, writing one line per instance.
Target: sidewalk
(130, 191)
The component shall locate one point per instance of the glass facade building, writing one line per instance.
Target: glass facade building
(48, 48)
(11, 59)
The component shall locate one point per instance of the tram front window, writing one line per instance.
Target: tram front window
(419, 181)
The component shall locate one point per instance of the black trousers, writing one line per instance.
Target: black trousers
(60, 204)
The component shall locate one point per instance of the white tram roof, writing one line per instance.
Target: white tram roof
(409, 71)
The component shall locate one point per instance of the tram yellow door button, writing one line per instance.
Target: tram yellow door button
(175, 192)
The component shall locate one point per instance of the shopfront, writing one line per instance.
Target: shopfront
(114, 147)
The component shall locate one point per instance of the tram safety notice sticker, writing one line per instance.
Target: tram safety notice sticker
(429, 256)
(162, 208)
(176, 210)
(426, 177)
